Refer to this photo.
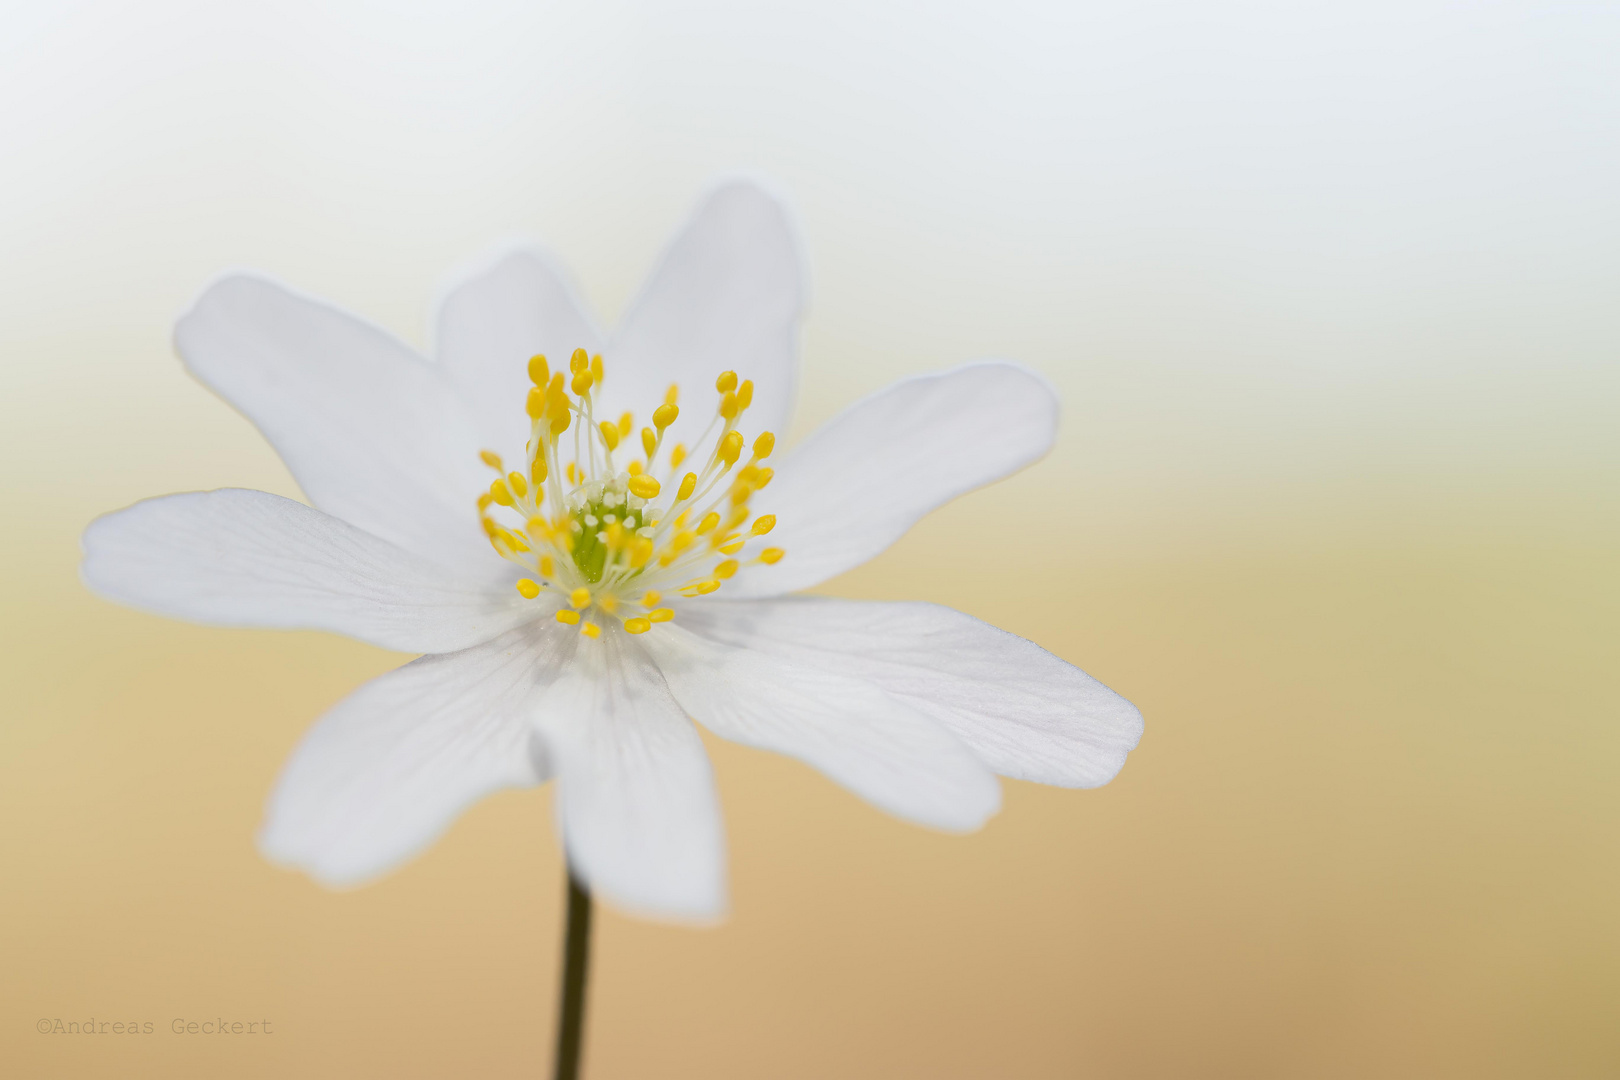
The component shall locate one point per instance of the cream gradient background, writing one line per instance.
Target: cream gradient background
(1330, 293)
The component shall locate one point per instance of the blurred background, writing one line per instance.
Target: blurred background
(1329, 292)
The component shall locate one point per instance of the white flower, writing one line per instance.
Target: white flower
(612, 581)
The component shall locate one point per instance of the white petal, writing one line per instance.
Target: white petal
(492, 320)
(727, 294)
(635, 795)
(248, 558)
(862, 479)
(370, 431)
(1021, 710)
(387, 770)
(873, 744)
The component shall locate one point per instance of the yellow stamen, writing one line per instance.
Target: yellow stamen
(539, 370)
(663, 614)
(764, 445)
(649, 441)
(581, 383)
(635, 468)
(644, 486)
(500, 494)
(567, 616)
(672, 394)
(596, 368)
(580, 597)
(665, 414)
(677, 455)
(529, 589)
(626, 422)
(764, 524)
(710, 520)
(688, 485)
(492, 459)
(609, 604)
(726, 569)
(771, 556)
(579, 361)
(591, 630)
(547, 567)
(729, 407)
(610, 434)
(731, 548)
(745, 394)
(727, 382)
(651, 599)
(637, 626)
(730, 447)
(519, 486)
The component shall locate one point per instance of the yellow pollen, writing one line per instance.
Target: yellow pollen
(492, 459)
(764, 524)
(726, 569)
(610, 434)
(644, 486)
(688, 485)
(637, 626)
(591, 630)
(519, 486)
(580, 597)
(651, 599)
(764, 445)
(529, 589)
(663, 614)
(498, 492)
(677, 455)
(539, 370)
(710, 520)
(727, 382)
(771, 556)
(579, 361)
(745, 394)
(567, 616)
(665, 415)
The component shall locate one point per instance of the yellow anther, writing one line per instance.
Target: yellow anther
(704, 588)
(771, 555)
(738, 516)
(681, 541)
(764, 445)
(665, 415)
(581, 383)
(498, 492)
(748, 474)
(591, 630)
(596, 368)
(710, 520)
(726, 569)
(663, 614)
(641, 549)
(573, 473)
(764, 478)
(492, 459)
(730, 407)
(490, 528)
(567, 616)
(764, 524)
(672, 394)
(745, 394)
(688, 485)
(637, 626)
(547, 567)
(649, 441)
(651, 599)
(539, 370)
(609, 604)
(536, 405)
(484, 500)
(731, 548)
(727, 382)
(519, 486)
(730, 447)
(615, 536)
(580, 597)
(635, 468)
(529, 589)
(559, 422)
(537, 471)
(514, 541)
(677, 455)
(626, 424)
(579, 361)
(740, 493)
(681, 518)
(610, 434)
(644, 486)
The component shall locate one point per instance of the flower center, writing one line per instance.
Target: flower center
(612, 541)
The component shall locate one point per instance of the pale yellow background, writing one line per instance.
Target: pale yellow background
(1330, 296)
